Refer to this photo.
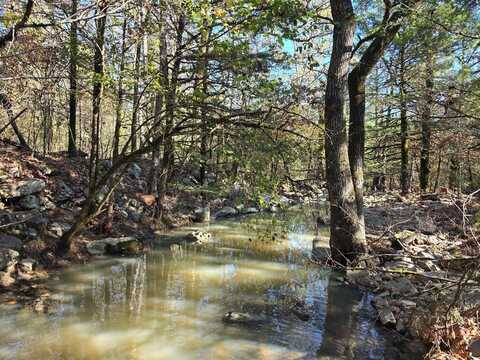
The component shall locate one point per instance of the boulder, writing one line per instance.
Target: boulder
(226, 212)
(198, 237)
(21, 188)
(401, 286)
(29, 202)
(10, 242)
(114, 246)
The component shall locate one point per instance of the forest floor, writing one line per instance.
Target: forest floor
(423, 267)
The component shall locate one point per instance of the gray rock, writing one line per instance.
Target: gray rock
(474, 348)
(27, 265)
(31, 233)
(250, 210)
(202, 215)
(273, 208)
(10, 242)
(29, 202)
(232, 317)
(58, 229)
(429, 265)
(386, 317)
(135, 171)
(64, 192)
(47, 203)
(401, 263)
(8, 259)
(401, 286)
(114, 246)
(284, 201)
(198, 237)
(226, 212)
(21, 188)
(361, 278)
(407, 304)
(401, 325)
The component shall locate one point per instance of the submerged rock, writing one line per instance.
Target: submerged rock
(202, 215)
(249, 210)
(232, 317)
(226, 212)
(300, 311)
(198, 237)
(361, 278)
(114, 246)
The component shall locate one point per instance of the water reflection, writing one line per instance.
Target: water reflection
(168, 304)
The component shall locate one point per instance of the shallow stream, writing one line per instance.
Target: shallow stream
(169, 304)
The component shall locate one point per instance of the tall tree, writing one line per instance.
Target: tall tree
(97, 92)
(425, 122)
(404, 140)
(347, 234)
(72, 121)
(393, 14)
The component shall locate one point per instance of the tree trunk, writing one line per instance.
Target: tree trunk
(426, 124)
(404, 173)
(203, 113)
(168, 149)
(120, 94)
(72, 121)
(136, 97)
(97, 93)
(356, 86)
(159, 105)
(347, 235)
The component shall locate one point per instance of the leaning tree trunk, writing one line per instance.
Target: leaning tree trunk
(7, 105)
(347, 235)
(356, 87)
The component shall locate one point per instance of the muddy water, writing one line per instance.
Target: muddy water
(168, 304)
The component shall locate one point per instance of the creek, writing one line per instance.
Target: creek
(169, 303)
